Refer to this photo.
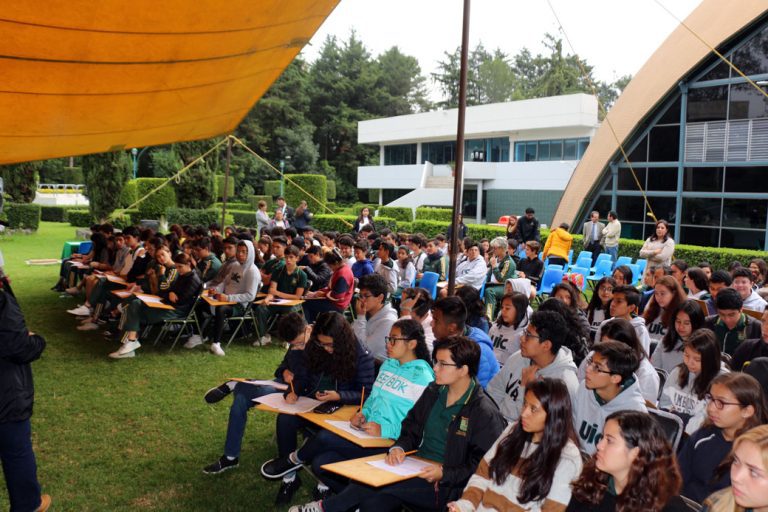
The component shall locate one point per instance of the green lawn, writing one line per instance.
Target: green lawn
(132, 434)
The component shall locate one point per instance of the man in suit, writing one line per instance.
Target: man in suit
(593, 235)
(288, 212)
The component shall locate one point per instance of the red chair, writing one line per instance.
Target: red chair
(504, 219)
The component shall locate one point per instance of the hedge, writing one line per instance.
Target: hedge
(325, 223)
(253, 202)
(430, 228)
(243, 218)
(219, 186)
(385, 222)
(55, 213)
(442, 214)
(478, 231)
(192, 216)
(399, 213)
(80, 218)
(233, 205)
(314, 184)
(272, 188)
(155, 205)
(62, 175)
(330, 190)
(125, 218)
(23, 215)
(129, 194)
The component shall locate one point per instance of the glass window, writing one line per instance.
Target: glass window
(746, 102)
(530, 151)
(402, 154)
(640, 153)
(662, 179)
(663, 208)
(439, 153)
(520, 152)
(672, 115)
(556, 150)
(570, 149)
(744, 213)
(627, 181)
(751, 58)
(632, 230)
(701, 212)
(746, 179)
(630, 208)
(543, 150)
(475, 151)
(722, 70)
(664, 144)
(603, 205)
(708, 104)
(499, 149)
(743, 239)
(583, 144)
(699, 236)
(703, 179)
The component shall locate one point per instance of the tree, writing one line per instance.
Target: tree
(20, 181)
(402, 81)
(105, 175)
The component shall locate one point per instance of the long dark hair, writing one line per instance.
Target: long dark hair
(695, 315)
(653, 309)
(538, 469)
(618, 329)
(747, 391)
(341, 364)
(595, 302)
(654, 477)
(412, 330)
(654, 237)
(403, 264)
(576, 338)
(520, 302)
(474, 304)
(100, 247)
(705, 343)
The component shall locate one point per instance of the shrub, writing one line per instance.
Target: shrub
(154, 206)
(233, 205)
(478, 231)
(20, 181)
(195, 188)
(384, 222)
(80, 218)
(405, 227)
(243, 218)
(373, 195)
(105, 176)
(54, 213)
(399, 213)
(192, 216)
(253, 202)
(272, 188)
(430, 228)
(324, 223)
(128, 196)
(220, 186)
(125, 218)
(427, 213)
(54, 171)
(23, 215)
(330, 190)
(314, 184)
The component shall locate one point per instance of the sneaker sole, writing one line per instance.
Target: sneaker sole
(214, 395)
(227, 468)
(276, 476)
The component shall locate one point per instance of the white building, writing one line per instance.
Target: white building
(517, 154)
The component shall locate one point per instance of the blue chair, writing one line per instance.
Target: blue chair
(584, 260)
(482, 291)
(584, 271)
(84, 247)
(558, 267)
(602, 270)
(583, 254)
(637, 276)
(429, 282)
(642, 264)
(602, 257)
(552, 276)
(570, 256)
(623, 260)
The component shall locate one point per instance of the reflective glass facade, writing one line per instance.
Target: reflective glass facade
(701, 157)
(543, 150)
(400, 154)
(475, 150)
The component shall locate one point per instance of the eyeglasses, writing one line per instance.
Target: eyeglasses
(720, 404)
(326, 346)
(528, 334)
(606, 289)
(591, 365)
(394, 339)
(440, 364)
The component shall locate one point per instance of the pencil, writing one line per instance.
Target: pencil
(292, 390)
(362, 399)
(410, 452)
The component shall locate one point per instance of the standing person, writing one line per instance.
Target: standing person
(364, 219)
(513, 231)
(262, 217)
(592, 231)
(529, 227)
(611, 235)
(18, 348)
(285, 209)
(558, 245)
(659, 247)
(461, 232)
(302, 216)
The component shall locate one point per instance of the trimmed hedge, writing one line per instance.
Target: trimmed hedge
(430, 228)
(233, 205)
(243, 218)
(442, 214)
(80, 218)
(125, 218)
(314, 184)
(62, 174)
(478, 231)
(272, 188)
(129, 194)
(325, 223)
(385, 222)
(192, 216)
(330, 190)
(23, 215)
(155, 205)
(219, 186)
(399, 213)
(253, 202)
(55, 213)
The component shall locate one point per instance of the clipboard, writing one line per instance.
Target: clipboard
(153, 301)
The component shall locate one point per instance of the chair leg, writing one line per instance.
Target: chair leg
(235, 330)
(178, 335)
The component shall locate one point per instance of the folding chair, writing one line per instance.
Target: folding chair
(671, 424)
(642, 265)
(623, 260)
(429, 282)
(602, 270)
(637, 276)
(663, 376)
(551, 277)
(167, 326)
(583, 261)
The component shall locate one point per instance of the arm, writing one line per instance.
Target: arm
(365, 374)
(646, 251)
(478, 484)
(667, 249)
(254, 279)
(17, 344)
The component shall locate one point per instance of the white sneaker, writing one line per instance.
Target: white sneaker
(118, 355)
(73, 290)
(80, 311)
(265, 340)
(88, 326)
(193, 341)
(129, 346)
(216, 349)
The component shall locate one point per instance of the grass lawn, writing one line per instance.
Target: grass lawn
(134, 433)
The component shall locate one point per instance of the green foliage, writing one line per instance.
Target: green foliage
(220, 186)
(331, 206)
(154, 206)
(324, 223)
(55, 213)
(195, 187)
(105, 176)
(431, 228)
(314, 184)
(478, 231)
(125, 218)
(20, 181)
(80, 218)
(442, 214)
(385, 222)
(244, 192)
(56, 171)
(272, 188)
(373, 196)
(129, 194)
(22, 215)
(330, 190)
(191, 216)
(165, 162)
(253, 202)
(405, 227)
(243, 218)
(399, 213)
(233, 205)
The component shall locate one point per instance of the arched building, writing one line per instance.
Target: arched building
(696, 134)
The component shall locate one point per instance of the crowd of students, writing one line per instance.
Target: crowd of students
(519, 409)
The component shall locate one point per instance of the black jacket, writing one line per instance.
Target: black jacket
(529, 229)
(320, 274)
(17, 349)
(462, 231)
(470, 435)
(308, 383)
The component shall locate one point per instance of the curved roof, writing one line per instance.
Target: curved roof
(86, 77)
(715, 21)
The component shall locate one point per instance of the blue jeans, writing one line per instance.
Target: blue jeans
(613, 251)
(19, 466)
(238, 414)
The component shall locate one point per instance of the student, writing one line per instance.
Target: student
(541, 355)
(531, 267)
(720, 280)
(752, 348)
(386, 266)
(442, 244)
(472, 271)
(374, 315)
(337, 296)
(735, 404)
(433, 261)
(417, 304)
(276, 262)
(532, 464)
(598, 308)
(529, 227)
(609, 386)
(624, 305)
(622, 275)
(364, 219)
(502, 267)
(697, 283)
(743, 281)
(287, 283)
(634, 470)
(418, 256)
(401, 381)
(509, 326)
(475, 308)
(347, 248)
(449, 316)
(453, 424)
(749, 476)
(679, 268)
(669, 353)
(208, 264)
(406, 270)
(577, 329)
(659, 313)
(730, 325)
(362, 265)
(318, 270)
(570, 295)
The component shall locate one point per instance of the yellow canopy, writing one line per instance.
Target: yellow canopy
(79, 77)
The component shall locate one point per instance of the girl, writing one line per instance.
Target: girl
(659, 247)
(749, 476)
(509, 326)
(668, 295)
(735, 404)
(697, 283)
(417, 304)
(475, 308)
(598, 309)
(513, 233)
(622, 275)
(338, 294)
(534, 461)
(265, 248)
(634, 469)
(364, 219)
(406, 270)
(669, 353)
(687, 384)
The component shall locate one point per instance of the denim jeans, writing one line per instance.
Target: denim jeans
(19, 466)
(614, 252)
(238, 414)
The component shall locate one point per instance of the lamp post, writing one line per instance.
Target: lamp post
(282, 174)
(136, 155)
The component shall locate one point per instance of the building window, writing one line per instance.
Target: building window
(487, 150)
(401, 154)
(547, 150)
(438, 153)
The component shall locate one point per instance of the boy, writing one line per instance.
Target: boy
(271, 267)
(290, 283)
(433, 261)
(731, 325)
(374, 315)
(531, 267)
(624, 304)
(418, 256)
(386, 267)
(743, 280)
(362, 266)
(208, 264)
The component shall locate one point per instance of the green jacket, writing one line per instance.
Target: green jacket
(506, 269)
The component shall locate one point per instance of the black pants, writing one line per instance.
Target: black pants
(595, 249)
(415, 492)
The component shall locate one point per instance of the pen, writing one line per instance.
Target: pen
(362, 398)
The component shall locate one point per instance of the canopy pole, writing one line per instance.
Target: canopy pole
(458, 180)
(226, 184)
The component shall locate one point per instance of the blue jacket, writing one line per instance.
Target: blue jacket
(349, 390)
(489, 366)
(362, 268)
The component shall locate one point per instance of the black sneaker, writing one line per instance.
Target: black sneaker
(217, 394)
(318, 495)
(278, 468)
(287, 490)
(221, 465)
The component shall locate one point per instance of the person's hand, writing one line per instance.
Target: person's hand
(357, 420)
(30, 333)
(493, 261)
(311, 295)
(291, 398)
(269, 298)
(328, 396)
(395, 457)
(372, 428)
(432, 474)
(452, 507)
(287, 376)
(360, 309)
(173, 297)
(528, 375)
(94, 265)
(521, 274)
(658, 251)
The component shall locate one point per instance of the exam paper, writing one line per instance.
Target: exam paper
(346, 427)
(276, 401)
(276, 385)
(409, 467)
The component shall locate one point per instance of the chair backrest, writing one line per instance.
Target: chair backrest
(602, 269)
(663, 375)
(643, 264)
(694, 506)
(583, 254)
(557, 267)
(636, 274)
(84, 247)
(570, 256)
(429, 282)
(584, 261)
(551, 277)
(671, 424)
(623, 260)
(602, 257)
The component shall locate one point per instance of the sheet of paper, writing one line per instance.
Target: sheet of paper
(278, 300)
(116, 279)
(276, 401)
(346, 427)
(77, 264)
(409, 467)
(276, 385)
(123, 294)
(149, 298)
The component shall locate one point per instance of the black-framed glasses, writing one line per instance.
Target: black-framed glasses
(394, 339)
(720, 404)
(591, 365)
(440, 364)
(528, 334)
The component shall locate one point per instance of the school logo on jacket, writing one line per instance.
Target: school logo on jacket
(235, 277)
(589, 434)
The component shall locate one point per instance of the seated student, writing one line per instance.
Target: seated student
(749, 475)
(679, 268)
(433, 262)
(610, 386)
(120, 265)
(287, 283)
(634, 471)
(417, 245)
(697, 283)
(541, 355)
(509, 326)
(338, 294)
(346, 246)
(449, 317)
(400, 382)
(442, 244)
(730, 325)
(531, 267)
(622, 275)
(659, 313)
(532, 464)
(502, 268)
(318, 270)
(375, 315)
(472, 271)
(293, 369)
(273, 265)
(208, 264)
(685, 389)
(67, 271)
(598, 308)
(406, 270)
(735, 404)
(475, 308)
(577, 331)
(569, 294)
(652, 274)
(417, 304)
(624, 304)
(720, 280)
(669, 353)
(743, 281)
(385, 266)
(752, 348)
(362, 265)
(453, 424)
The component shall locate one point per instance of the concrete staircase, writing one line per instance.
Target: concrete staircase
(439, 182)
